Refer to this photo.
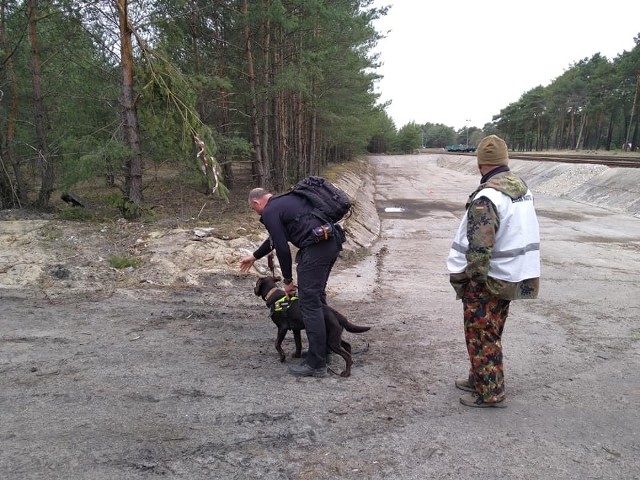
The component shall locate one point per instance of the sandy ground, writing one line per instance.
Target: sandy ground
(169, 370)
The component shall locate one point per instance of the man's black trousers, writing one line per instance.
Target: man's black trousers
(314, 266)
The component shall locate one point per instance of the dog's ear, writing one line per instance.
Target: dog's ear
(258, 286)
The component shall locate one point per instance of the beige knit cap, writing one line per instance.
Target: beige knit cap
(492, 151)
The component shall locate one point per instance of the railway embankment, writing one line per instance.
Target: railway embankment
(613, 188)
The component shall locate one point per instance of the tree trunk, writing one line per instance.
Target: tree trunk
(12, 190)
(634, 137)
(265, 106)
(609, 132)
(258, 164)
(278, 162)
(131, 137)
(282, 120)
(579, 141)
(633, 110)
(222, 46)
(313, 139)
(225, 160)
(599, 128)
(300, 133)
(44, 158)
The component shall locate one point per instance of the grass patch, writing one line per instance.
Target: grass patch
(124, 262)
(75, 214)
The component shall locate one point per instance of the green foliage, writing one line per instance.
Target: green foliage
(475, 135)
(127, 208)
(234, 147)
(163, 139)
(438, 135)
(408, 139)
(171, 121)
(124, 262)
(77, 92)
(314, 77)
(85, 159)
(487, 129)
(76, 214)
(589, 106)
(336, 67)
(384, 132)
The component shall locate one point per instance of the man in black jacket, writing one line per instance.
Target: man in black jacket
(289, 219)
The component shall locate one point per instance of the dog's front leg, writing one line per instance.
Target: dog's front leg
(281, 334)
(298, 339)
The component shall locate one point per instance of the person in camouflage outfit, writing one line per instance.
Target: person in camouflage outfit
(495, 258)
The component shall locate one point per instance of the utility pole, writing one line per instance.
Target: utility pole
(466, 125)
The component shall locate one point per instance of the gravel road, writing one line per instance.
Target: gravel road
(120, 378)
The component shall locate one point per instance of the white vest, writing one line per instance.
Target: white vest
(516, 253)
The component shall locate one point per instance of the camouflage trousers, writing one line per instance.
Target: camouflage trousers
(484, 319)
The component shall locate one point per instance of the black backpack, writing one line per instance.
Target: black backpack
(330, 204)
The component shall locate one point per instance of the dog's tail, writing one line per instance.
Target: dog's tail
(347, 325)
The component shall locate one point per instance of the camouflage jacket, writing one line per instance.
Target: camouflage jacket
(483, 223)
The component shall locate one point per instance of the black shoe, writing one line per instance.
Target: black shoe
(304, 370)
(306, 352)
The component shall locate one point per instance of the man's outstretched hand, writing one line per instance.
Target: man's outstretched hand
(246, 263)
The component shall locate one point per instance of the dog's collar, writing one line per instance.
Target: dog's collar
(276, 301)
(267, 297)
(269, 293)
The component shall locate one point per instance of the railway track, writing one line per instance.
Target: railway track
(622, 161)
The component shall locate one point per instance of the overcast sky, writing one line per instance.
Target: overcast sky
(461, 61)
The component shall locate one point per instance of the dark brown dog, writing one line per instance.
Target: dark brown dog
(286, 314)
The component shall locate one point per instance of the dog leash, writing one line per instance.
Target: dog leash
(271, 265)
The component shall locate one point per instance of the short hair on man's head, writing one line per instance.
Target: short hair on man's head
(257, 194)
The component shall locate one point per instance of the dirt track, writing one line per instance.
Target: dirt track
(107, 374)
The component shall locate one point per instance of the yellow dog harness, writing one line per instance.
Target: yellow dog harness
(283, 303)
